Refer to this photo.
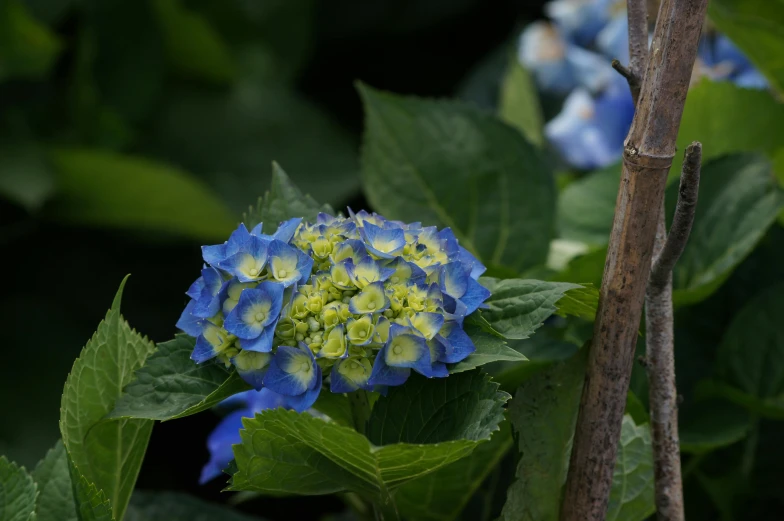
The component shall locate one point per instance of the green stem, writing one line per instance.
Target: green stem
(360, 409)
(750, 448)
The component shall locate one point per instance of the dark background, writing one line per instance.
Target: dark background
(60, 279)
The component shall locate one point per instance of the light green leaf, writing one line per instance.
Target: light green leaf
(586, 207)
(723, 132)
(17, 492)
(107, 454)
(171, 506)
(580, 302)
(631, 496)
(25, 177)
(448, 164)
(751, 354)
(286, 452)
(518, 307)
(711, 424)
(170, 385)
(442, 495)
(112, 190)
(230, 138)
(738, 201)
(27, 48)
(194, 48)
(429, 410)
(757, 27)
(519, 103)
(55, 498)
(543, 414)
(489, 348)
(284, 200)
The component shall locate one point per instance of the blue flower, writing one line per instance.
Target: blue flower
(719, 59)
(384, 243)
(247, 264)
(209, 287)
(227, 433)
(582, 20)
(218, 253)
(589, 133)
(255, 316)
(455, 282)
(288, 265)
(294, 372)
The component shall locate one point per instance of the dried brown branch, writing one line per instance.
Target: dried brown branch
(637, 13)
(660, 342)
(648, 153)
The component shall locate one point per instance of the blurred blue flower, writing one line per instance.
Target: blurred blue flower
(227, 433)
(571, 56)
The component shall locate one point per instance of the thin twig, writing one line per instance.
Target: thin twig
(648, 153)
(664, 262)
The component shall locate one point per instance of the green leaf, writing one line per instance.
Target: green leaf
(281, 202)
(337, 407)
(192, 45)
(112, 190)
(543, 414)
(723, 132)
(25, 177)
(499, 194)
(27, 48)
(170, 385)
(631, 496)
(738, 202)
(518, 307)
(92, 503)
(519, 103)
(580, 302)
(711, 424)
(170, 506)
(107, 454)
(636, 409)
(55, 498)
(489, 348)
(286, 452)
(442, 495)
(465, 406)
(757, 27)
(751, 354)
(17, 492)
(586, 207)
(230, 138)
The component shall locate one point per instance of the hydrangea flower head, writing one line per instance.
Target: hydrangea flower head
(353, 303)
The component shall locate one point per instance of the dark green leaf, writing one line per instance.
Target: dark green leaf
(518, 307)
(285, 452)
(17, 492)
(757, 27)
(230, 139)
(91, 502)
(25, 177)
(193, 47)
(636, 409)
(442, 495)
(281, 202)
(738, 201)
(337, 407)
(448, 164)
(631, 496)
(55, 498)
(489, 348)
(106, 455)
(27, 48)
(465, 406)
(751, 355)
(543, 414)
(519, 104)
(711, 424)
(586, 207)
(170, 506)
(170, 385)
(104, 189)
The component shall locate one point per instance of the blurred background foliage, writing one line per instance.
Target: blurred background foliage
(133, 131)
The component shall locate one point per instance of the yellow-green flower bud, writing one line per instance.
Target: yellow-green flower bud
(334, 344)
(360, 331)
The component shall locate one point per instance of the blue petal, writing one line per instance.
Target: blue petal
(468, 259)
(209, 301)
(283, 377)
(451, 247)
(474, 296)
(385, 375)
(286, 229)
(262, 343)
(457, 344)
(305, 401)
(253, 251)
(194, 291)
(189, 323)
(340, 384)
(218, 253)
(257, 230)
(453, 279)
(219, 443)
(203, 350)
(384, 243)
